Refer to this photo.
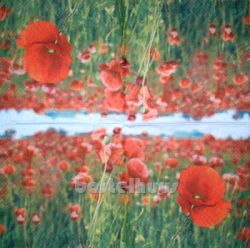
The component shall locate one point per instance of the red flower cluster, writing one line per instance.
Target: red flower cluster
(21, 216)
(226, 32)
(47, 55)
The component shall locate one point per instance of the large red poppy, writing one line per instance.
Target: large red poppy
(47, 57)
(201, 191)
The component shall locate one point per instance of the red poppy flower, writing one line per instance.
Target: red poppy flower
(76, 85)
(168, 68)
(133, 148)
(20, 215)
(172, 162)
(145, 200)
(240, 79)
(201, 191)
(244, 234)
(47, 191)
(111, 75)
(212, 30)
(173, 37)
(82, 169)
(137, 169)
(4, 12)
(246, 19)
(2, 229)
(5, 45)
(231, 178)
(75, 211)
(163, 192)
(215, 162)
(47, 57)
(116, 151)
(114, 101)
(29, 184)
(80, 180)
(9, 169)
(64, 166)
(166, 79)
(85, 57)
(228, 34)
(199, 159)
(117, 130)
(185, 83)
(201, 57)
(36, 219)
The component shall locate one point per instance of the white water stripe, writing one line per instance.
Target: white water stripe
(221, 125)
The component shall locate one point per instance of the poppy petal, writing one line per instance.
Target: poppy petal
(185, 205)
(38, 32)
(111, 80)
(206, 216)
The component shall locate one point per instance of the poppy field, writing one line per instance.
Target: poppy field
(127, 65)
(189, 61)
(44, 204)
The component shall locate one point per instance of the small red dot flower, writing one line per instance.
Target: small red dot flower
(21, 215)
(75, 211)
(36, 219)
(2, 229)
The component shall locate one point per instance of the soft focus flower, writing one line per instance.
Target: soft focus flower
(21, 215)
(111, 75)
(36, 219)
(244, 234)
(75, 211)
(4, 12)
(137, 169)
